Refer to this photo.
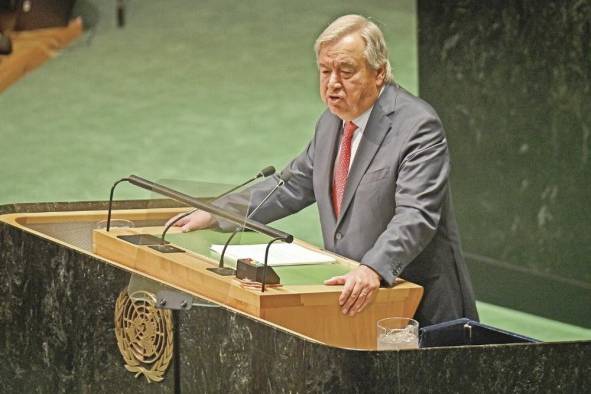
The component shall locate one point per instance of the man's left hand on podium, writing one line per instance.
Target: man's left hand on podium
(359, 287)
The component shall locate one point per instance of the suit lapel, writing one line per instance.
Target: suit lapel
(376, 129)
(324, 158)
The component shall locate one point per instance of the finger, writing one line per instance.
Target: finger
(172, 219)
(194, 222)
(190, 225)
(176, 222)
(352, 299)
(335, 280)
(366, 301)
(183, 221)
(360, 302)
(347, 289)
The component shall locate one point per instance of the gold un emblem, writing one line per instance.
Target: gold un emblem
(144, 335)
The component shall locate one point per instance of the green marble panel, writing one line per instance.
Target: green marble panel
(511, 81)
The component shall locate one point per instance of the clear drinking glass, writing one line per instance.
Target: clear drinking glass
(396, 333)
(102, 224)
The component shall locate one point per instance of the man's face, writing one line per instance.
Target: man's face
(348, 85)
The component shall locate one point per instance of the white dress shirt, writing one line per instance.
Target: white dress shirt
(361, 122)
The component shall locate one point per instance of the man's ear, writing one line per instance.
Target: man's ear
(380, 76)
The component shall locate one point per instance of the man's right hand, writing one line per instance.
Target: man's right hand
(195, 221)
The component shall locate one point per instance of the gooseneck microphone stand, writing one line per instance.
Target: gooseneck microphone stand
(196, 203)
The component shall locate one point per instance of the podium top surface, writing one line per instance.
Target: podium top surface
(200, 242)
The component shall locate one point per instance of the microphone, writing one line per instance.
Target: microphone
(265, 172)
(270, 170)
(283, 178)
(196, 203)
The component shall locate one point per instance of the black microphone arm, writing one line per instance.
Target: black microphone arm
(282, 179)
(196, 203)
(265, 172)
(277, 186)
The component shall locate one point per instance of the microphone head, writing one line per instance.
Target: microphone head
(267, 171)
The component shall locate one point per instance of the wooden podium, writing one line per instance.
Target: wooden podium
(309, 309)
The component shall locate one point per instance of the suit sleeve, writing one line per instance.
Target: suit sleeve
(421, 189)
(296, 194)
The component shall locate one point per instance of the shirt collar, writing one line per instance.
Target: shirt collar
(361, 120)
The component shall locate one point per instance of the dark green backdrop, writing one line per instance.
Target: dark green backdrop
(512, 83)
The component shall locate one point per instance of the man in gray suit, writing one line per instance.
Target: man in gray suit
(378, 168)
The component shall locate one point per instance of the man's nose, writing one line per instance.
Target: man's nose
(334, 80)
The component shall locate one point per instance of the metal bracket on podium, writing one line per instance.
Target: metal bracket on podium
(165, 297)
(176, 300)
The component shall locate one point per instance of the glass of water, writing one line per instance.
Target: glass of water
(397, 333)
(114, 223)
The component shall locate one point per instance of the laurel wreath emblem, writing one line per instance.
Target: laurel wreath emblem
(144, 335)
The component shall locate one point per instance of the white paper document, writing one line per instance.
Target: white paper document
(279, 254)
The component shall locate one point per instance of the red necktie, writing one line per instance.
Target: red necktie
(341, 171)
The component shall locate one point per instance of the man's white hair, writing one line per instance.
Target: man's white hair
(376, 51)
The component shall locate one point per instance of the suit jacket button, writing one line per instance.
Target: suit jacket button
(339, 236)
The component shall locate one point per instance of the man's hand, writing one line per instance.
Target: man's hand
(195, 221)
(360, 285)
